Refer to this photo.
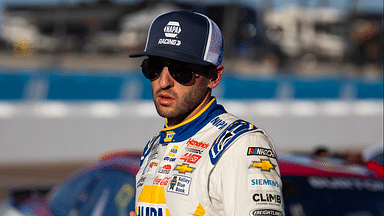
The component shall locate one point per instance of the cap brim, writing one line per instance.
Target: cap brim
(171, 55)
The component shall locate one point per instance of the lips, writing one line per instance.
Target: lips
(165, 99)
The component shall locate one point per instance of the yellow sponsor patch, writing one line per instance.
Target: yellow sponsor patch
(169, 136)
(152, 194)
(200, 211)
(152, 202)
(265, 165)
(184, 168)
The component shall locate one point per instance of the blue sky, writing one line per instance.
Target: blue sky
(376, 5)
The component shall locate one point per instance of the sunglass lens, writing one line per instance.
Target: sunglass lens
(181, 72)
(182, 77)
(151, 69)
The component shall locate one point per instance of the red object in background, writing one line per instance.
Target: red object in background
(293, 165)
(376, 167)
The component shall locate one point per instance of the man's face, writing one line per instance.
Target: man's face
(176, 101)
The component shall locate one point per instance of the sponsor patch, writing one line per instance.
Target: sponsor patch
(141, 181)
(265, 212)
(179, 184)
(190, 158)
(259, 182)
(148, 205)
(171, 30)
(160, 181)
(267, 198)
(169, 136)
(263, 164)
(217, 122)
(191, 143)
(173, 151)
(151, 145)
(170, 159)
(196, 151)
(150, 167)
(154, 152)
(261, 152)
(184, 168)
(166, 169)
(167, 41)
(172, 154)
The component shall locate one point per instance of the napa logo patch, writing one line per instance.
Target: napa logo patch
(171, 30)
(169, 136)
(152, 201)
(217, 122)
(179, 184)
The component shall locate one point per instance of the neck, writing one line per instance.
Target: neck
(178, 120)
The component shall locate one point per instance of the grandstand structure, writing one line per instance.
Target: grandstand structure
(78, 95)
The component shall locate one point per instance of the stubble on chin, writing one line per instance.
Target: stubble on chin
(179, 111)
(161, 110)
(183, 105)
(169, 111)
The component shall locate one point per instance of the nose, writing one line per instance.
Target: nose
(165, 80)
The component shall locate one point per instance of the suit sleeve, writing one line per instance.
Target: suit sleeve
(246, 179)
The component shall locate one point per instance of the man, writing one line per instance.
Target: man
(204, 161)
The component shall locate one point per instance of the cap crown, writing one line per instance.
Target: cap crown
(185, 36)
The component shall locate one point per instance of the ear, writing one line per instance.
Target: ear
(215, 76)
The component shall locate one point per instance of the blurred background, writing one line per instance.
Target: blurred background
(308, 72)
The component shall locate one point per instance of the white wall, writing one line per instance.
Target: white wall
(40, 131)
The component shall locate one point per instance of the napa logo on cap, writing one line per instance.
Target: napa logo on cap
(171, 30)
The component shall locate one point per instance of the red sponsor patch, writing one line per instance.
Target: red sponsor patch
(153, 164)
(190, 158)
(197, 145)
(161, 181)
(167, 167)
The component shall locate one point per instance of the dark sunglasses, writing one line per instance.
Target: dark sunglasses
(180, 71)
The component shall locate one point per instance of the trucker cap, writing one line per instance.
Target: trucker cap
(185, 36)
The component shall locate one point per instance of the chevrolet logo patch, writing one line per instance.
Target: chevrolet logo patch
(265, 165)
(184, 168)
